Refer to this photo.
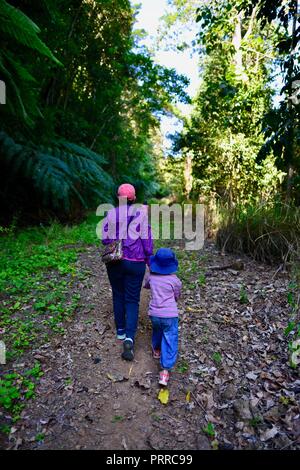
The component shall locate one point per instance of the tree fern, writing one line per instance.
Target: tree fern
(18, 26)
(15, 103)
(58, 174)
(83, 151)
(21, 71)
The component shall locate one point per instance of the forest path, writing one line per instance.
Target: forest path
(233, 360)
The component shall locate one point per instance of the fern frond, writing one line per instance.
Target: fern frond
(17, 16)
(14, 23)
(84, 151)
(16, 92)
(18, 68)
(89, 169)
(58, 175)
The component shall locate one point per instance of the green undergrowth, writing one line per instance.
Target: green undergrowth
(37, 296)
(15, 390)
(36, 280)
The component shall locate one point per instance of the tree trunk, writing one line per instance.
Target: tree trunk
(188, 177)
(289, 149)
(289, 183)
(251, 23)
(237, 42)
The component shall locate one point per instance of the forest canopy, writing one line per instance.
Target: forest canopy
(83, 106)
(240, 144)
(85, 99)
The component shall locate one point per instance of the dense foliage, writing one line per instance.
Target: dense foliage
(281, 125)
(223, 134)
(80, 110)
(239, 144)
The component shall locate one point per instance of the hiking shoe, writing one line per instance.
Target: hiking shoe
(127, 353)
(156, 353)
(121, 334)
(164, 377)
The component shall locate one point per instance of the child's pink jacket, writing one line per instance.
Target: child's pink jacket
(165, 291)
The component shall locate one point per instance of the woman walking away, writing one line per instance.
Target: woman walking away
(126, 275)
(165, 291)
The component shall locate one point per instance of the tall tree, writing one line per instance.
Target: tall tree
(223, 132)
(282, 124)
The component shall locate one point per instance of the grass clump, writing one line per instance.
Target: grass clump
(268, 233)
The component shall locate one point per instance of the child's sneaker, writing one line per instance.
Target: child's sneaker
(127, 353)
(164, 377)
(156, 353)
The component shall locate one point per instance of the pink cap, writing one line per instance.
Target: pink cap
(127, 190)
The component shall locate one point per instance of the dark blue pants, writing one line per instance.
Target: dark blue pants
(126, 278)
(165, 338)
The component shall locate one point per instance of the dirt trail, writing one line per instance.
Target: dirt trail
(89, 398)
(233, 360)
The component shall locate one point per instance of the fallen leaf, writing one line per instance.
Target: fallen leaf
(117, 377)
(143, 383)
(295, 358)
(251, 376)
(18, 443)
(124, 444)
(215, 444)
(163, 396)
(269, 434)
(188, 397)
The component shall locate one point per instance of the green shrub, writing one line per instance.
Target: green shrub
(15, 389)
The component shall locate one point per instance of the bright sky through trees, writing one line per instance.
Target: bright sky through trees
(148, 19)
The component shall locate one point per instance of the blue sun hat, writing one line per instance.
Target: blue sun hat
(164, 262)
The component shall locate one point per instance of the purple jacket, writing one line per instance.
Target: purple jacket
(134, 230)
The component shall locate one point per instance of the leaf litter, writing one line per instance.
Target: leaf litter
(232, 379)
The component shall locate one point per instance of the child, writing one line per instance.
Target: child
(165, 291)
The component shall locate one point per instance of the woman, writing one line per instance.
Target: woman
(126, 276)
